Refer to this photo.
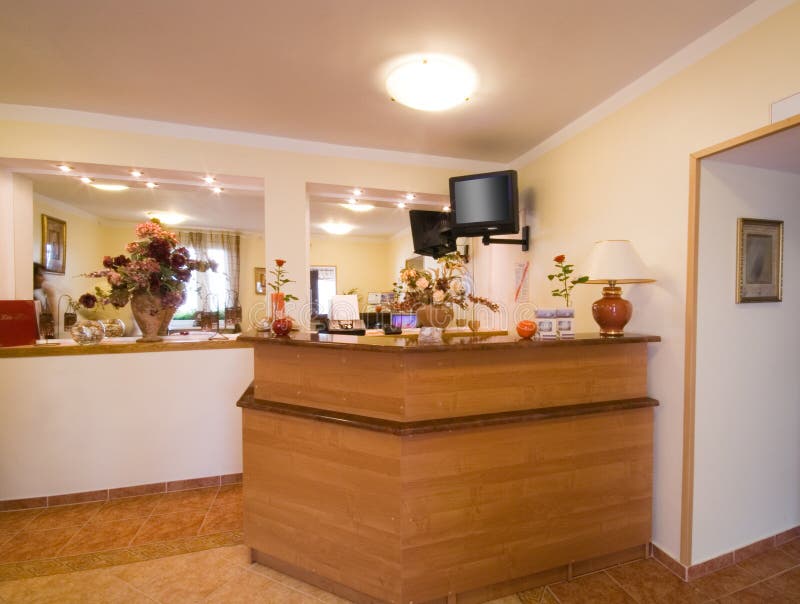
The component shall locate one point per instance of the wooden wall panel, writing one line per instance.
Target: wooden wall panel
(325, 498)
(349, 381)
(488, 505)
(451, 384)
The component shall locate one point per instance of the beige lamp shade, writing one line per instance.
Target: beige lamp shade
(616, 260)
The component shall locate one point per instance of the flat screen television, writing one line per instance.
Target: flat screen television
(484, 204)
(431, 233)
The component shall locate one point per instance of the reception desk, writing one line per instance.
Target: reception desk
(388, 470)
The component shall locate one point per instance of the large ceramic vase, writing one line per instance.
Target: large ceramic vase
(149, 314)
(163, 329)
(434, 315)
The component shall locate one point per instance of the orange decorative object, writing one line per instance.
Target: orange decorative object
(526, 329)
(612, 312)
(278, 305)
(282, 326)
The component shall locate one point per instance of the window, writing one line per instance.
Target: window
(211, 290)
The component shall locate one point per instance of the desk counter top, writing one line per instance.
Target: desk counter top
(454, 342)
(123, 346)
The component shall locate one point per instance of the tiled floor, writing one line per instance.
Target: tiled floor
(145, 549)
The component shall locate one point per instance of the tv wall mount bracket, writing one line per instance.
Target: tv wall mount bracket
(523, 242)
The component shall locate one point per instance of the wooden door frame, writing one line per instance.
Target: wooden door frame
(690, 356)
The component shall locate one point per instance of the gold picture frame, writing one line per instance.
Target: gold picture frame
(759, 260)
(260, 274)
(54, 244)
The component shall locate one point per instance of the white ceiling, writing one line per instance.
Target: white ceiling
(314, 69)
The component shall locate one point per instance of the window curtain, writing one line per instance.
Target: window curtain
(203, 243)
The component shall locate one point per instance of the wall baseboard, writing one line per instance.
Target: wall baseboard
(695, 571)
(119, 492)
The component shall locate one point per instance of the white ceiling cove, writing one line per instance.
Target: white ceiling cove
(314, 69)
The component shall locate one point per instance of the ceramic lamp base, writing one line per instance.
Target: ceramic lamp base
(612, 312)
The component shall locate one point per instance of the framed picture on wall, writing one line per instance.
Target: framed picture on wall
(759, 260)
(54, 244)
(261, 280)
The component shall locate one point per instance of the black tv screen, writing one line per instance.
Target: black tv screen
(431, 233)
(484, 204)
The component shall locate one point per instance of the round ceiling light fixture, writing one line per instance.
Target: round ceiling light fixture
(166, 217)
(103, 186)
(431, 82)
(358, 207)
(337, 228)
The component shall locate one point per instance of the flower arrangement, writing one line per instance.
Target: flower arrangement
(281, 279)
(156, 266)
(565, 284)
(442, 286)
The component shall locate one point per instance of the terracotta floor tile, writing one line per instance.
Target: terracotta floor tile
(252, 587)
(13, 522)
(220, 520)
(169, 526)
(186, 501)
(768, 564)
(513, 599)
(83, 587)
(63, 516)
(185, 578)
(759, 593)
(787, 583)
(792, 548)
(229, 494)
(649, 581)
(35, 545)
(591, 589)
(127, 508)
(548, 597)
(531, 596)
(724, 582)
(102, 537)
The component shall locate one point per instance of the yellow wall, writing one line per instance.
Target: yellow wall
(627, 178)
(360, 263)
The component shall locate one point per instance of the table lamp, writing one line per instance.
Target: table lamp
(614, 261)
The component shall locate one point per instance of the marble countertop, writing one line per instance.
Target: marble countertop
(458, 341)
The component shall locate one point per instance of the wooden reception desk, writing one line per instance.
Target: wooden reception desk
(385, 470)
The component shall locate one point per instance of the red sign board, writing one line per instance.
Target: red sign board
(18, 323)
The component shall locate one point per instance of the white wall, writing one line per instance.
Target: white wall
(627, 177)
(81, 423)
(747, 419)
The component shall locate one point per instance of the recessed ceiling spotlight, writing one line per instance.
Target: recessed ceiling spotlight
(410, 196)
(337, 228)
(65, 168)
(358, 207)
(351, 200)
(357, 192)
(431, 82)
(151, 185)
(86, 180)
(109, 187)
(166, 217)
(401, 204)
(217, 190)
(209, 179)
(136, 173)
(445, 208)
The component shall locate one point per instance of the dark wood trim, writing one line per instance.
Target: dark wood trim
(449, 424)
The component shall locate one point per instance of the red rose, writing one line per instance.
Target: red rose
(279, 262)
(559, 259)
